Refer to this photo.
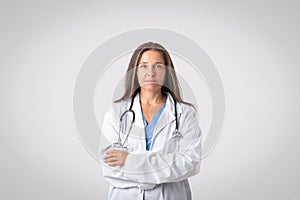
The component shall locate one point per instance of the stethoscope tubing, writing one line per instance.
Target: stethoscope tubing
(176, 133)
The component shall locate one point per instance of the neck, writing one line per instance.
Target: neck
(151, 97)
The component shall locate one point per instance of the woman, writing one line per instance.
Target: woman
(152, 157)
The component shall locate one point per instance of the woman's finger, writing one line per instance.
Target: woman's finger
(109, 156)
(114, 163)
(112, 151)
(115, 157)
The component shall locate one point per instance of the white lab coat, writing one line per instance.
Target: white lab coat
(160, 173)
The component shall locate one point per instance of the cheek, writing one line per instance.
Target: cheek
(162, 76)
(139, 76)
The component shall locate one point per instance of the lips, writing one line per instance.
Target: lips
(150, 81)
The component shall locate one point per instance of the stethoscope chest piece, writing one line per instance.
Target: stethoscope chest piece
(176, 134)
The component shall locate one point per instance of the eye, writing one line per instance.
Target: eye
(143, 66)
(159, 66)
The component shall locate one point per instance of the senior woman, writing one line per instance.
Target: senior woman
(154, 136)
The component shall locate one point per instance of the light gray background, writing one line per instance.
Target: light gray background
(254, 44)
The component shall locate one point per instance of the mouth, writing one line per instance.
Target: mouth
(150, 81)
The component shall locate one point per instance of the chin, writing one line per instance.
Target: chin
(151, 87)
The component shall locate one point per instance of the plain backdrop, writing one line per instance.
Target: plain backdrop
(254, 45)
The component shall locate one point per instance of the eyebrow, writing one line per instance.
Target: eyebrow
(154, 63)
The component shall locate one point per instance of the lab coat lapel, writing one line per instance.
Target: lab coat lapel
(138, 112)
(167, 116)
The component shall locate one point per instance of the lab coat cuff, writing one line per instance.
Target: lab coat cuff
(134, 160)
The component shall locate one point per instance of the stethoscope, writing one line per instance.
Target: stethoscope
(176, 134)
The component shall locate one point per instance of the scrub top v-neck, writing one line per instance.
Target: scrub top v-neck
(149, 127)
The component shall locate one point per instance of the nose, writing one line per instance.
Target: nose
(151, 71)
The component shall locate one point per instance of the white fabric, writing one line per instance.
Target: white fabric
(162, 172)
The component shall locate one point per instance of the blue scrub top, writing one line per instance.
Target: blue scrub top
(149, 128)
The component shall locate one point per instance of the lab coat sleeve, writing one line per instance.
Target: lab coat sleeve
(157, 167)
(114, 175)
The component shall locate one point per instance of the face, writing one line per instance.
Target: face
(151, 71)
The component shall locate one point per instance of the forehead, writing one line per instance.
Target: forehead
(151, 56)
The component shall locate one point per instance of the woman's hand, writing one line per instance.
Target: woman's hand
(115, 157)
